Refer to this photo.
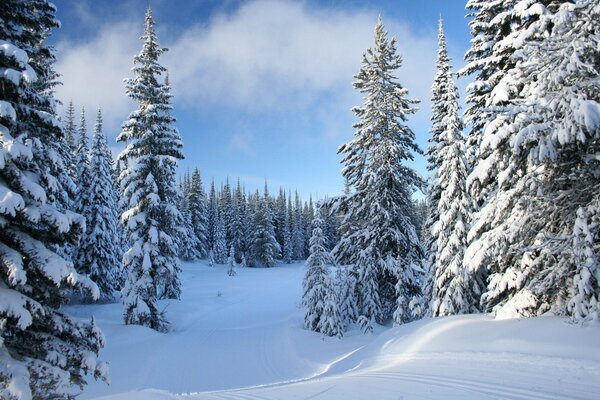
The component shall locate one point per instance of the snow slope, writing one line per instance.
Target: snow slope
(241, 338)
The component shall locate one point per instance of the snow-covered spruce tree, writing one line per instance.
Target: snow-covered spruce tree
(527, 168)
(455, 290)
(288, 248)
(219, 251)
(198, 211)
(264, 249)
(70, 131)
(231, 262)
(43, 352)
(70, 127)
(308, 213)
(148, 186)
(298, 231)
(584, 302)
(319, 298)
(330, 224)
(238, 223)
(188, 241)
(99, 254)
(347, 294)
(381, 240)
(558, 130)
(82, 167)
(280, 218)
(213, 210)
(226, 209)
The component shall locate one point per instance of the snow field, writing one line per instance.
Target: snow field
(241, 337)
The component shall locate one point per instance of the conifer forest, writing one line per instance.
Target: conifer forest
(129, 269)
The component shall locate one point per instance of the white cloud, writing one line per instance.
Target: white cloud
(266, 55)
(242, 142)
(92, 73)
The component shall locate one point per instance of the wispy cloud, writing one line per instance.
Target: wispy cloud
(265, 56)
(93, 71)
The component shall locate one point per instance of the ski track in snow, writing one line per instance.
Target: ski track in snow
(248, 344)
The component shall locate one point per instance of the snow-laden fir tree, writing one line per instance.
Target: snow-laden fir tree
(558, 129)
(455, 290)
(288, 248)
(298, 231)
(213, 210)
(319, 299)
(264, 249)
(531, 164)
(43, 352)
(83, 174)
(219, 251)
(348, 302)
(70, 129)
(584, 302)
(381, 240)
(308, 213)
(280, 218)
(196, 200)
(149, 192)
(188, 241)
(226, 209)
(330, 223)
(231, 262)
(99, 254)
(238, 223)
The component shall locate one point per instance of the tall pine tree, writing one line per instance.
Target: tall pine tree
(454, 289)
(43, 352)
(264, 249)
(319, 298)
(198, 211)
(381, 240)
(149, 192)
(98, 254)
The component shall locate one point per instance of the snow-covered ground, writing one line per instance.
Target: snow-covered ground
(241, 338)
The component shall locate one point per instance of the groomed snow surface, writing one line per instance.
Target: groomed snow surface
(241, 337)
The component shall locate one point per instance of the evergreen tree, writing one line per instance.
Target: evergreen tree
(298, 233)
(98, 255)
(264, 249)
(319, 300)
(455, 290)
(231, 262)
(188, 241)
(220, 247)
(212, 215)
(149, 192)
(307, 216)
(288, 247)
(238, 223)
(280, 218)
(381, 240)
(70, 127)
(70, 130)
(584, 302)
(83, 174)
(531, 150)
(349, 310)
(330, 223)
(198, 212)
(226, 210)
(43, 352)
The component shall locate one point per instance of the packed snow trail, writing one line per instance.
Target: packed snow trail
(241, 337)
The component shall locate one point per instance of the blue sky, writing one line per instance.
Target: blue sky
(262, 89)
